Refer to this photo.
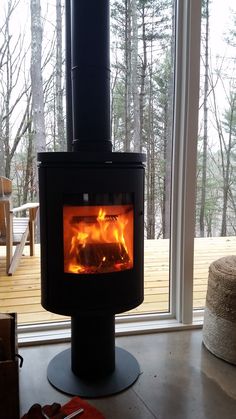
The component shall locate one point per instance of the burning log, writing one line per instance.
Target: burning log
(91, 219)
(102, 257)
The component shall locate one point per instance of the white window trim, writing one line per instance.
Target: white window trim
(188, 22)
(185, 131)
(61, 331)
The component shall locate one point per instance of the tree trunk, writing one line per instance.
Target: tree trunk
(2, 160)
(113, 118)
(134, 79)
(127, 138)
(7, 101)
(228, 169)
(39, 135)
(36, 77)
(151, 205)
(28, 190)
(205, 122)
(143, 78)
(168, 118)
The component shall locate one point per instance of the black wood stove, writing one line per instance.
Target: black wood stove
(91, 212)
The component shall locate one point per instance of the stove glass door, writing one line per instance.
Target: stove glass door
(98, 238)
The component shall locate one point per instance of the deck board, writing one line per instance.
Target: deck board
(21, 292)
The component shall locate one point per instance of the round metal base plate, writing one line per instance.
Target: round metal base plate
(61, 376)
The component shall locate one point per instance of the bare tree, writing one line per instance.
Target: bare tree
(134, 77)
(36, 77)
(13, 101)
(143, 74)
(151, 159)
(144, 31)
(167, 128)
(205, 120)
(128, 91)
(227, 142)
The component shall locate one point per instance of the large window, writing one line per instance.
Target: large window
(216, 193)
(142, 91)
(155, 58)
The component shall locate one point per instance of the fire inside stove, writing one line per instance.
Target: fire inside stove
(98, 239)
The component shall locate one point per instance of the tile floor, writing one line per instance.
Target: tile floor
(179, 379)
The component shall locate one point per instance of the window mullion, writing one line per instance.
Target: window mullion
(188, 23)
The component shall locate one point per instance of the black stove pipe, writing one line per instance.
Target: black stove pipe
(90, 56)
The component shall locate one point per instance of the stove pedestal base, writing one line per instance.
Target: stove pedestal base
(124, 375)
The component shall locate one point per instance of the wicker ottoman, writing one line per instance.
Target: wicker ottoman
(219, 327)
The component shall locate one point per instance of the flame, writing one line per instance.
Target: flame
(98, 239)
(101, 215)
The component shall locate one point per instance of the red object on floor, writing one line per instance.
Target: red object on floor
(90, 412)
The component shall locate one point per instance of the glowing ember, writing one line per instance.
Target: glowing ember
(98, 240)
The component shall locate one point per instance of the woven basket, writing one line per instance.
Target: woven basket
(219, 327)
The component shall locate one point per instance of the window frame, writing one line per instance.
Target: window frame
(185, 133)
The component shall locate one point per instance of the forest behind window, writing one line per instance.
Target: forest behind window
(32, 91)
(216, 191)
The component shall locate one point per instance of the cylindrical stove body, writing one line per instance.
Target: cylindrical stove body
(113, 180)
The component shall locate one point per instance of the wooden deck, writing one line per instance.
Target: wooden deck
(21, 292)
